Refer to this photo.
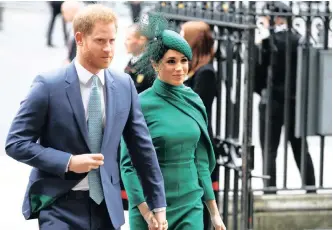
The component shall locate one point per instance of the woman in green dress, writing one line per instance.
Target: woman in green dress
(177, 122)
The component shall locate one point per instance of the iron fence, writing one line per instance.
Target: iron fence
(236, 26)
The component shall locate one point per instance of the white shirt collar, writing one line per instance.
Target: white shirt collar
(134, 59)
(84, 75)
(280, 28)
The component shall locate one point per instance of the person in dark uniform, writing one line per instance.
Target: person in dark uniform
(277, 96)
(56, 10)
(202, 79)
(136, 8)
(69, 9)
(135, 43)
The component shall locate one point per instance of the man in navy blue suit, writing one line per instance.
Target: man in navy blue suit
(68, 129)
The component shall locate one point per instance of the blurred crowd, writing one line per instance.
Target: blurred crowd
(202, 75)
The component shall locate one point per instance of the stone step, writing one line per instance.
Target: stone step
(294, 212)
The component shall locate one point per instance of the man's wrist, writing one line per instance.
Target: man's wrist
(159, 209)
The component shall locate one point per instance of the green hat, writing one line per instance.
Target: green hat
(174, 41)
(161, 39)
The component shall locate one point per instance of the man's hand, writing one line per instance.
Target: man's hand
(217, 222)
(163, 226)
(151, 220)
(85, 162)
(161, 219)
(153, 223)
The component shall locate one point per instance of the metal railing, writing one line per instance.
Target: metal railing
(235, 25)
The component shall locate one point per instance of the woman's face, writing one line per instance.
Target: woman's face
(172, 68)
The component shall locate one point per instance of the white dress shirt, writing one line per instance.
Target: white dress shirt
(85, 78)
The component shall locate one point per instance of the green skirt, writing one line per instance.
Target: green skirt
(184, 199)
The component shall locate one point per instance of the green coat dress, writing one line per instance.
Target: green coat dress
(177, 122)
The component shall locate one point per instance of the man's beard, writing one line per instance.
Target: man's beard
(89, 59)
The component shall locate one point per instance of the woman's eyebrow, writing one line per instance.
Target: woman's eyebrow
(175, 58)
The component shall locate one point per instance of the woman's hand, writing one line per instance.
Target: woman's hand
(151, 220)
(163, 226)
(217, 222)
(149, 216)
(215, 215)
(153, 223)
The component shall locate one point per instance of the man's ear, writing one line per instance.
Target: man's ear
(79, 38)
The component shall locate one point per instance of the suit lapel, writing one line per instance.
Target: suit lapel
(110, 106)
(75, 99)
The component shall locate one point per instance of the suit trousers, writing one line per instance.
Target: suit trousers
(296, 143)
(75, 211)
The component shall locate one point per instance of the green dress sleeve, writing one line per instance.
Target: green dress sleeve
(130, 178)
(203, 165)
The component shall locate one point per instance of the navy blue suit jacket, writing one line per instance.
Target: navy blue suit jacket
(50, 125)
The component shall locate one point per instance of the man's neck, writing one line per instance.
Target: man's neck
(86, 65)
(137, 54)
(139, 51)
